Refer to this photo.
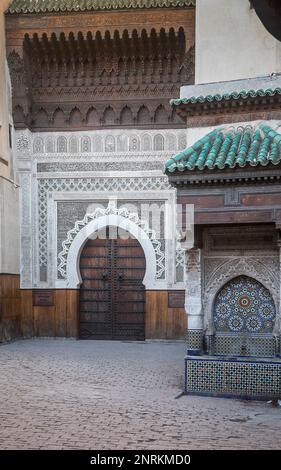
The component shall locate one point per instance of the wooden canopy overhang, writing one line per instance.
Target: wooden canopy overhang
(253, 197)
(247, 191)
(224, 177)
(20, 22)
(99, 68)
(232, 101)
(230, 109)
(92, 46)
(65, 6)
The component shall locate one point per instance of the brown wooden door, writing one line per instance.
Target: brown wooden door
(112, 296)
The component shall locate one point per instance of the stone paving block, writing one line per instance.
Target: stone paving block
(58, 394)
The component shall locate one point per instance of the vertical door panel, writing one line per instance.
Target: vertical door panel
(112, 297)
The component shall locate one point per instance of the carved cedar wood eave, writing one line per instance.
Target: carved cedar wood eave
(253, 199)
(230, 111)
(246, 175)
(17, 25)
(225, 237)
(122, 77)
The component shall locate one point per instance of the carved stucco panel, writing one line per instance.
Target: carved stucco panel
(35, 149)
(111, 209)
(193, 295)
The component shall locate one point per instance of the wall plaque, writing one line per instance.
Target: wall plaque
(176, 299)
(43, 298)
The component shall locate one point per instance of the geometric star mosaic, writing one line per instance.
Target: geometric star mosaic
(244, 305)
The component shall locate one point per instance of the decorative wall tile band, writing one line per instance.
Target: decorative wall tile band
(194, 340)
(261, 380)
(251, 345)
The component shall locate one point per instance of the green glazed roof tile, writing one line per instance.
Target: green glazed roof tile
(220, 161)
(230, 148)
(49, 6)
(227, 96)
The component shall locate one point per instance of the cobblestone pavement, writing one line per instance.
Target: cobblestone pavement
(66, 394)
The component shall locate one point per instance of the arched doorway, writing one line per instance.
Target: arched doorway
(112, 295)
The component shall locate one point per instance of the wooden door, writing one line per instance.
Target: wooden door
(112, 296)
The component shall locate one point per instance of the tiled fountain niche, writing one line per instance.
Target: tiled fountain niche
(234, 338)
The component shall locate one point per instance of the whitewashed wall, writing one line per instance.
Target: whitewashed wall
(9, 191)
(232, 43)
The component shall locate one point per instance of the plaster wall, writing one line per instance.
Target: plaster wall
(9, 227)
(9, 198)
(232, 43)
(5, 118)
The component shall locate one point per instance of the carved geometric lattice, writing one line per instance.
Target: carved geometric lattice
(46, 186)
(180, 263)
(244, 305)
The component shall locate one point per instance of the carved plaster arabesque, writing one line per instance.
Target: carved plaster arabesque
(123, 215)
(133, 201)
(23, 143)
(73, 182)
(44, 185)
(180, 256)
(193, 292)
(26, 255)
(109, 141)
